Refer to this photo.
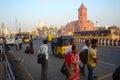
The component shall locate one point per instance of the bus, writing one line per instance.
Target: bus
(97, 34)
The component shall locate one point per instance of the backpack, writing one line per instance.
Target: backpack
(84, 56)
(27, 50)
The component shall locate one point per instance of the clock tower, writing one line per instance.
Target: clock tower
(82, 17)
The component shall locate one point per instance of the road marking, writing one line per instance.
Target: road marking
(105, 76)
(107, 63)
(116, 53)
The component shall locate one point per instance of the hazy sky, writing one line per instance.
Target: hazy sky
(57, 12)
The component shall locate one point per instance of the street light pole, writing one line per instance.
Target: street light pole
(16, 22)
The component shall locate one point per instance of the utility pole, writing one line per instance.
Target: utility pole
(16, 22)
(19, 27)
(2, 30)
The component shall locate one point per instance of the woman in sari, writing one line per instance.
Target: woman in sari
(72, 63)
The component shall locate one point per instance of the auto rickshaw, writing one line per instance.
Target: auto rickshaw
(59, 45)
(49, 38)
(26, 39)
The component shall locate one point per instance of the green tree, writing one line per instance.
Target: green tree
(113, 27)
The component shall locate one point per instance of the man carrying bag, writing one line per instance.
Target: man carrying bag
(42, 59)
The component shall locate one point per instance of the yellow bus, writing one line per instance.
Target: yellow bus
(97, 34)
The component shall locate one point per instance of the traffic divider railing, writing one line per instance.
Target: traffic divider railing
(8, 73)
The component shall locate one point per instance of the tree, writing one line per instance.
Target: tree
(113, 27)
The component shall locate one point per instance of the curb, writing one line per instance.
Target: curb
(18, 69)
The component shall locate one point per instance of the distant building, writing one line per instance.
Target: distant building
(41, 24)
(4, 30)
(47, 30)
(82, 24)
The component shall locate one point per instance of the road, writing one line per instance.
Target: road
(109, 59)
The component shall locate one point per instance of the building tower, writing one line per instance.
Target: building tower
(41, 24)
(2, 30)
(82, 18)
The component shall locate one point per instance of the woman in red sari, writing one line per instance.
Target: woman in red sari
(72, 62)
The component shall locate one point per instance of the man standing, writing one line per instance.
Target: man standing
(44, 67)
(84, 55)
(92, 59)
(20, 43)
(87, 45)
(16, 43)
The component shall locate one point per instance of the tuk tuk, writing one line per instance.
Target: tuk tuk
(26, 39)
(59, 45)
(49, 38)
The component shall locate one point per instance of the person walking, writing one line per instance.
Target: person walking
(72, 63)
(44, 67)
(84, 56)
(20, 43)
(16, 43)
(92, 59)
(31, 43)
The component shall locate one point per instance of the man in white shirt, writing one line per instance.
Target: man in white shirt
(87, 45)
(69, 49)
(16, 43)
(44, 50)
(20, 43)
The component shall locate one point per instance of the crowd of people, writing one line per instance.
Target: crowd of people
(73, 61)
(88, 56)
(76, 63)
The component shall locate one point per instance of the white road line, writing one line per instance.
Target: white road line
(107, 63)
(105, 76)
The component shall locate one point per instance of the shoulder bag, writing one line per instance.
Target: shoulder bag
(41, 57)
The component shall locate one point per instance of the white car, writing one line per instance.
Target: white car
(10, 40)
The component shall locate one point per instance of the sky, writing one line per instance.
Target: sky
(29, 13)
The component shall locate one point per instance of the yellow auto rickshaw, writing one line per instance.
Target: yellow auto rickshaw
(49, 38)
(59, 45)
(26, 39)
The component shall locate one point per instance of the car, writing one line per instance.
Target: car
(10, 40)
(2, 40)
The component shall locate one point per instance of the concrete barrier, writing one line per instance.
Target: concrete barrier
(18, 69)
(109, 42)
(104, 42)
(112, 42)
(101, 42)
(78, 40)
(116, 43)
(83, 41)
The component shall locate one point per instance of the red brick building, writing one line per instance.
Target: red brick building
(82, 24)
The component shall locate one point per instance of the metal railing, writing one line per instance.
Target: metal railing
(8, 74)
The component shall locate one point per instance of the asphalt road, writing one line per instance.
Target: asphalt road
(109, 59)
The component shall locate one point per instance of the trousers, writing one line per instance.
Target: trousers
(44, 70)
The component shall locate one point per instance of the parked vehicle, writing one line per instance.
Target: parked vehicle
(10, 40)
